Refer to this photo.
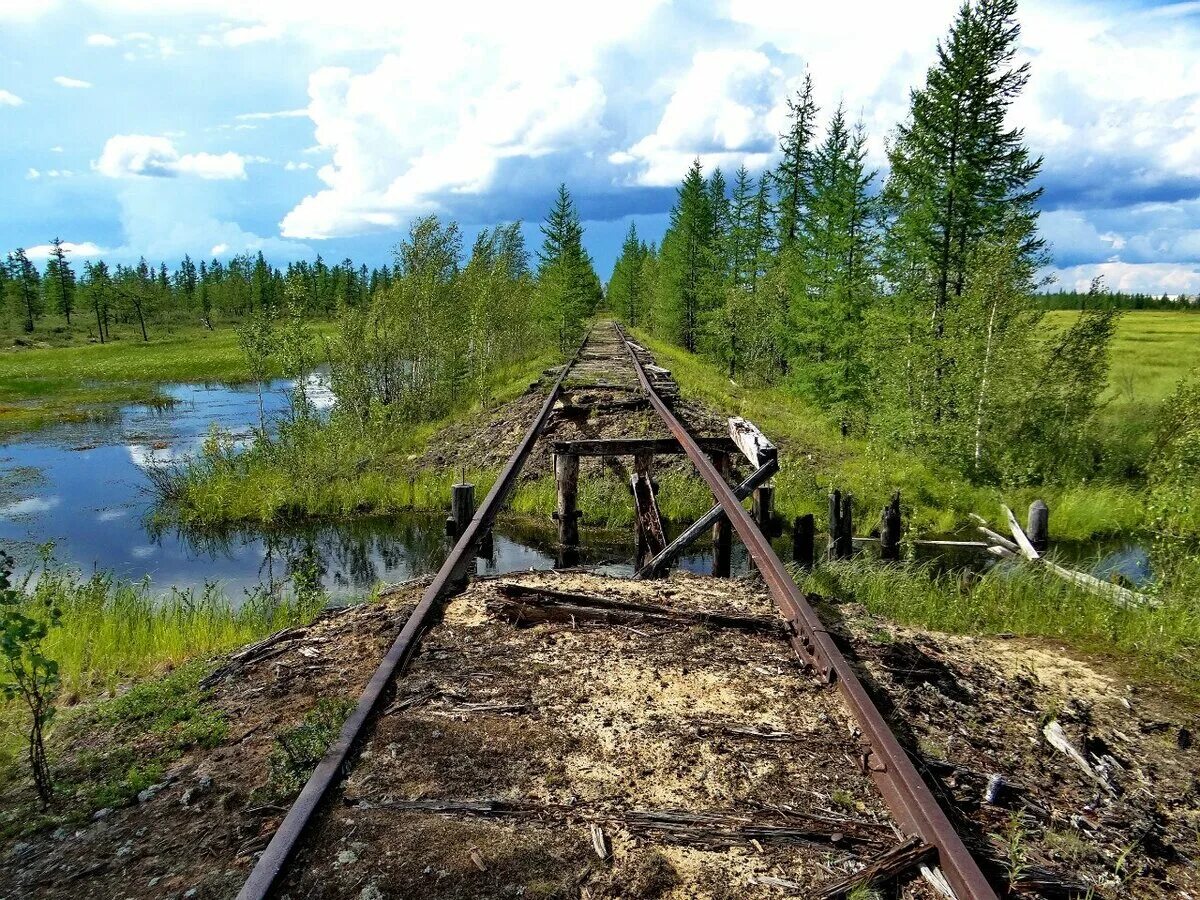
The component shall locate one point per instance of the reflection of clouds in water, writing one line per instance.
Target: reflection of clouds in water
(143, 457)
(111, 515)
(29, 506)
(142, 552)
(319, 391)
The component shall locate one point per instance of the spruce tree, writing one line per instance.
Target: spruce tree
(625, 288)
(689, 260)
(25, 284)
(60, 280)
(792, 172)
(568, 287)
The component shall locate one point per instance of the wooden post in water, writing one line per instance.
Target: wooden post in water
(1039, 526)
(566, 513)
(462, 507)
(804, 541)
(722, 531)
(890, 530)
(763, 509)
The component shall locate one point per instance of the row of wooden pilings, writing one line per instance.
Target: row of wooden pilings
(840, 542)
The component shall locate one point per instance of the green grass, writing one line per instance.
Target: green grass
(814, 458)
(41, 385)
(1151, 352)
(103, 754)
(1162, 641)
(331, 471)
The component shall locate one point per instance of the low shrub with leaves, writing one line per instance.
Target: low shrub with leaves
(30, 676)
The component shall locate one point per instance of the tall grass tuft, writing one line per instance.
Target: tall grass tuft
(112, 632)
(1028, 601)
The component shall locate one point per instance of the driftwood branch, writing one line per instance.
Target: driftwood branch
(524, 605)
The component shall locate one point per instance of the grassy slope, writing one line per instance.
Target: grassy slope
(816, 458)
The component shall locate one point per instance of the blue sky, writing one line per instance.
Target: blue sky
(213, 127)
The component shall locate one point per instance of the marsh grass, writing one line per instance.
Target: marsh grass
(43, 385)
(114, 633)
(325, 470)
(1029, 602)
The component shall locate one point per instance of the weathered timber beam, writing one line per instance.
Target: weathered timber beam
(752, 443)
(634, 446)
(1121, 596)
(705, 829)
(697, 528)
(531, 604)
(649, 523)
(886, 866)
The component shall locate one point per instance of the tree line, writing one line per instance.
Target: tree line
(99, 296)
(908, 308)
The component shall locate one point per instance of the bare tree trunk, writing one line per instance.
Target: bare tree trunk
(987, 359)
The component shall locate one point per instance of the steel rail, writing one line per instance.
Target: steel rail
(905, 792)
(448, 581)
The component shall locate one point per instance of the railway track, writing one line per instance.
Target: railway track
(609, 361)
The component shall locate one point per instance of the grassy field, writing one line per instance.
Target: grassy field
(1152, 350)
(40, 385)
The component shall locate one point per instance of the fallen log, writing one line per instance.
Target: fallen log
(530, 605)
(888, 865)
(1122, 596)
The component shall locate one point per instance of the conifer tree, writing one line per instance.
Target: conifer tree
(836, 239)
(568, 287)
(959, 176)
(689, 272)
(792, 173)
(625, 286)
(25, 285)
(60, 280)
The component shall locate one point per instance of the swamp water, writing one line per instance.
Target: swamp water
(83, 487)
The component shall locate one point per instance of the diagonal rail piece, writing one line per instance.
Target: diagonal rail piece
(659, 563)
(905, 792)
(449, 580)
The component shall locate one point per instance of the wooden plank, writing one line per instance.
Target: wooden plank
(751, 442)
(634, 446)
(651, 541)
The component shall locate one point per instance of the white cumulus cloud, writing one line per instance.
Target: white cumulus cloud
(101, 40)
(67, 82)
(8, 98)
(130, 155)
(81, 249)
(726, 109)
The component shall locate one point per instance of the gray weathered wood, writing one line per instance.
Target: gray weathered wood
(633, 446)
(804, 534)
(462, 506)
(722, 531)
(566, 477)
(693, 531)
(751, 442)
(841, 526)
(1039, 526)
(650, 538)
(890, 530)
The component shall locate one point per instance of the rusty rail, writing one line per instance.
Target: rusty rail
(905, 792)
(448, 581)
